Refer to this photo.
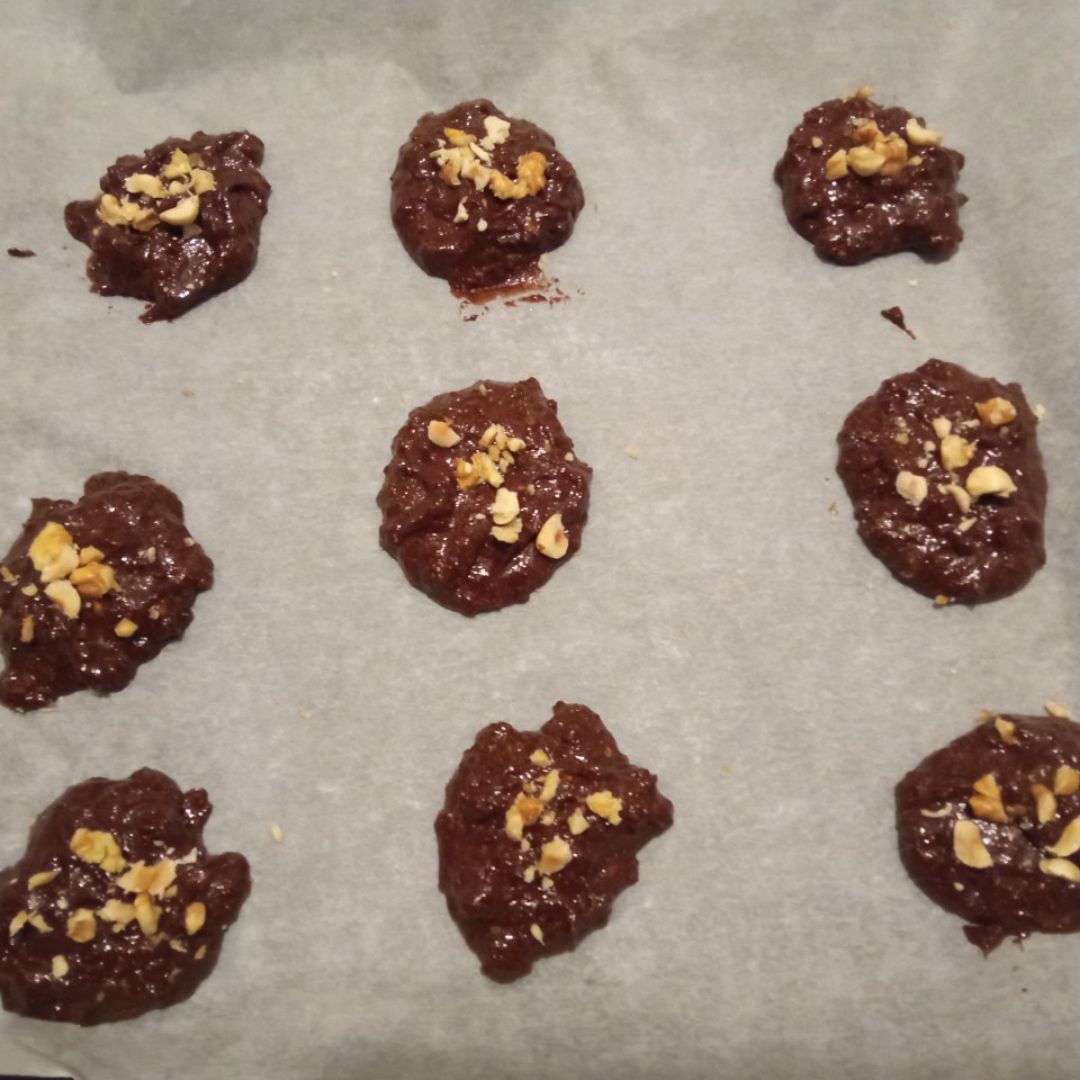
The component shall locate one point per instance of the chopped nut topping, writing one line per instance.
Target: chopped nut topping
(177, 945)
(989, 480)
(1066, 780)
(965, 524)
(529, 874)
(605, 805)
(202, 181)
(552, 540)
(118, 913)
(37, 921)
(82, 926)
(577, 823)
(941, 600)
(550, 786)
(956, 451)
(540, 757)
(537, 932)
(968, 845)
(943, 812)
(183, 213)
(462, 214)
(37, 880)
(200, 952)
(555, 855)
(65, 596)
(942, 426)
(90, 554)
(1062, 868)
(963, 499)
(7, 576)
(481, 225)
(26, 631)
(508, 534)
(498, 131)
(179, 165)
(18, 923)
(986, 802)
(918, 135)
(93, 579)
(442, 434)
(53, 552)
(29, 590)
(911, 486)
(1069, 841)
(125, 628)
(836, 167)
(1006, 729)
(194, 917)
(996, 411)
(145, 184)
(98, 847)
(147, 913)
(60, 967)
(277, 832)
(865, 161)
(505, 507)
(816, 142)
(153, 879)
(1045, 803)
(1055, 708)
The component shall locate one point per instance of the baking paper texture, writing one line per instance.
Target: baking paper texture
(733, 633)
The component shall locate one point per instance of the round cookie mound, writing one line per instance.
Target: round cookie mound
(483, 497)
(989, 827)
(946, 479)
(861, 180)
(477, 196)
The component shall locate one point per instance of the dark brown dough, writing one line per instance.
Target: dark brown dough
(509, 901)
(937, 547)
(137, 526)
(854, 218)
(441, 535)
(518, 230)
(87, 936)
(1021, 827)
(172, 266)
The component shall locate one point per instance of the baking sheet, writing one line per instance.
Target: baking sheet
(734, 634)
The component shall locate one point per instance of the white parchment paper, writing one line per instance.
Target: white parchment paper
(735, 635)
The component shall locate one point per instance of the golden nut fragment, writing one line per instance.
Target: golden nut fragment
(1055, 708)
(1062, 868)
(550, 786)
(577, 823)
(1045, 803)
(145, 184)
(836, 167)
(505, 507)
(111, 211)
(202, 181)
(552, 540)
(98, 847)
(457, 137)
(179, 165)
(1068, 843)
(82, 926)
(60, 967)
(989, 480)
(194, 917)
(497, 132)
(508, 534)
(18, 922)
(968, 845)
(26, 630)
(865, 161)
(537, 932)
(94, 579)
(1066, 780)
(555, 855)
(605, 805)
(942, 426)
(65, 596)
(53, 552)
(147, 914)
(866, 131)
(125, 628)
(153, 879)
(90, 554)
(911, 486)
(540, 757)
(118, 913)
(1006, 729)
(918, 135)
(37, 921)
(183, 213)
(956, 452)
(35, 881)
(442, 434)
(986, 802)
(963, 499)
(996, 411)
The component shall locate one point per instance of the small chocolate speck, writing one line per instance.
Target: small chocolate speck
(21, 253)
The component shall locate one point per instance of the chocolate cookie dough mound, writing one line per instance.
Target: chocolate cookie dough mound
(92, 589)
(989, 827)
(477, 196)
(176, 225)
(484, 496)
(860, 180)
(946, 479)
(116, 908)
(539, 833)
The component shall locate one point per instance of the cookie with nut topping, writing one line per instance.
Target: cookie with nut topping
(94, 588)
(539, 834)
(989, 827)
(116, 908)
(176, 225)
(484, 497)
(946, 480)
(478, 196)
(861, 179)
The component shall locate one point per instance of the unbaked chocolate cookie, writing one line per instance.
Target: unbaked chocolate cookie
(860, 180)
(478, 196)
(116, 908)
(945, 475)
(989, 827)
(539, 833)
(484, 496)
(92, 589)
(176, 225)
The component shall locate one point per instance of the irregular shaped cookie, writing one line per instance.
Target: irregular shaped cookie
(116, 908)
(93, 589)
(176, 225)
(539, 833)
(861, 180)
(945, 475)
(478, 196)
(484, 496)
(989, 827)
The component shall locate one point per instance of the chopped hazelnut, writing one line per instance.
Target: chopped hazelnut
(498, 131)
(117, 912)
(53, 552)
(1006, 729)
(540, 757)
(555, 855)
(963, 499)
(194, 917)
(996, 411)
(26, 630)
(911, 486)
(93, 579)
(442, 434)
(202, 180)
(60, 967)
(505, 507)
(956, 452)
(1066, 780)
(90, 554)
(968, 845)
(82, 926)
(836, 167)
(552, 540)
(145, 184)
(986, 803)
(153, 879)
(147, 914)
(17, 923)
(989, 480)
(865, 161)
(200, 952)
(918, 135)
(1045, 803)
(65, 596)
(179, 165)
(1062, 868)
(816, 142)
(183, 213)
(125, 628)
(37, 921)
(577, 823)
(35, 881)
(605, 805)
(98, 847)
(942, 426)
(550, 786)
(1055, 708)
(1069, 842)
(537, 932)
(508, 534)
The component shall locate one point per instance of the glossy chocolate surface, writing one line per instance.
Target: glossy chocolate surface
(121, 971)
(441, 535)
(168, 266)
(856, 217)
(518, 231)
(138, 526)
(485, 874)
(928, 546)
(1014, 895)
